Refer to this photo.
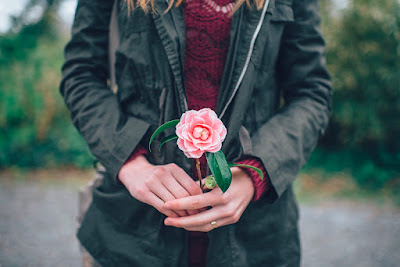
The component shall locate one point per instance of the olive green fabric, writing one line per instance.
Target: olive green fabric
(287, 62)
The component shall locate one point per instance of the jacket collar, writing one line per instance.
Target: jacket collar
(246, 25)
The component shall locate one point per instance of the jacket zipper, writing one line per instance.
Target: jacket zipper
(246, 65)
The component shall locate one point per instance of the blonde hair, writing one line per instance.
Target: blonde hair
(146, 4)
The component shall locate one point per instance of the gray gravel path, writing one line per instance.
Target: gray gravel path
(37, 223)
(349, 234)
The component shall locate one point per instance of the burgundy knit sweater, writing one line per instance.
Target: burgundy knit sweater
(207, 25)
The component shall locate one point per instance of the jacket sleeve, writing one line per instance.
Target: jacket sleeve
(285, 142)
(110, 134)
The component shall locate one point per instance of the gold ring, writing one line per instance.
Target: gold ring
(214, 224)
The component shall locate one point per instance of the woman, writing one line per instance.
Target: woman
(195, 54)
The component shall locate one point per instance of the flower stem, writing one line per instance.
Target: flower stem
(199, 172)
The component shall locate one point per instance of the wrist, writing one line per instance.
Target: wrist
(246, 180)
(132, 166)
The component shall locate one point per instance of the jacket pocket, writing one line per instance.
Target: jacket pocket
(126, 213)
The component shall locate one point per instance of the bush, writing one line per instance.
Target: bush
(35, 129)
(363, 56)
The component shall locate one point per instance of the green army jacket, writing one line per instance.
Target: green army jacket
(274, 100)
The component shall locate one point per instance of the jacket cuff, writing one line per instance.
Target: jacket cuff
(114, 158)
(260, 186)
(139, 150)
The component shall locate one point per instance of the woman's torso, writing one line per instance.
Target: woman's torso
(151, 86)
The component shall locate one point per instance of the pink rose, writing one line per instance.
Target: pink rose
(200, 131)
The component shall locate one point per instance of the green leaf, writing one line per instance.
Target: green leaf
(162, 128)
(260, 173)
(220, 169)
(166, 139)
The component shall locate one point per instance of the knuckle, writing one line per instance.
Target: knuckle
(230, 212)
(235, 218)
(149, 181)
(141, 192)
(159, 172)
(171, 166)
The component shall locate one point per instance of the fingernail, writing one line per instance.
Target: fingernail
(167, 206)
(166, 222)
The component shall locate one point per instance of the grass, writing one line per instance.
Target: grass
(66, 176)
(315, 185)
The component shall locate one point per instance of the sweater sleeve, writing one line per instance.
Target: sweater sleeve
(260, 186)
(139, 150)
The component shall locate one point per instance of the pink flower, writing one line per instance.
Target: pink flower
(200, 131)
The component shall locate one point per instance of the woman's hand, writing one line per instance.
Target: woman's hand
(227, 208)
(156, 184)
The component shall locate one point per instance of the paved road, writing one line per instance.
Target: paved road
(37, 229)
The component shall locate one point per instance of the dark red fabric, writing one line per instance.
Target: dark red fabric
(139, 150)
(198, 245)
(207, 41)
(260, 186)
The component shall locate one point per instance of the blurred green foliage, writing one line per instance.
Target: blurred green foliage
(363, 56)
(363, 168)
(35, 129)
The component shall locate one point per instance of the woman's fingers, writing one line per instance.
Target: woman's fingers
(155, 185)
(158, 204)
(178, 192)
(184, 180)
(212, 198)
(227, 207)
(177, 182)
(165, 184)
(207, 227)
(194, 220)
(222, 215)
(164, 194)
